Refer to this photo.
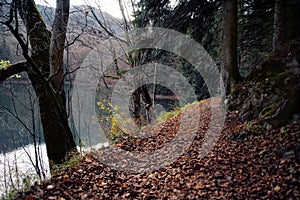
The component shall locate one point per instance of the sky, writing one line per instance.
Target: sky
(109, 6)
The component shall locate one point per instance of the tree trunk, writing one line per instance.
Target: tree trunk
(57, 133)
(147, 102)
(141, 93)
(229, 62)
(279, 24)
(136, 104)
(57, 45)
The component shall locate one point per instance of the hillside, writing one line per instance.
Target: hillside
(248, 161)
(83, 32)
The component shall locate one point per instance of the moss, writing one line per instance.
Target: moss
(73, 160)
(256, 127)
(269, 110)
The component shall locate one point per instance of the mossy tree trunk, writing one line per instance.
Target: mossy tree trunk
(45, 58)
(229, 62)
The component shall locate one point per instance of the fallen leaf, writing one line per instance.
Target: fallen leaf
(277, 188)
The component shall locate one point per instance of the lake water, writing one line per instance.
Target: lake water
(19, 165)
(19, 117)
(20, 125)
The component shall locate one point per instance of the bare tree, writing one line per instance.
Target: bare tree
(43, 53)
(140, 97)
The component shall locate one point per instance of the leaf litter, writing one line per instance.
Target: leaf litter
(245, 163)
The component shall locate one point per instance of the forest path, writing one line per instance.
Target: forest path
(249, 161)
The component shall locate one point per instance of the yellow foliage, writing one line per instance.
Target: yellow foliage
(4, 64)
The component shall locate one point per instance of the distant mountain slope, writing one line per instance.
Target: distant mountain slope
(78, 19)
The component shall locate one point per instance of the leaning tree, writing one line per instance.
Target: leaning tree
(43, 62)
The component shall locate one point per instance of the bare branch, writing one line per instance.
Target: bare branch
(104, 27)
(123, 15)
(8, 111)
(65, 75)
(78, 35)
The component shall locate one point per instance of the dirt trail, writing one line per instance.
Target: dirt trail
(249, 161)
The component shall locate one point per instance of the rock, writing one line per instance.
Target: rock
(272, 90)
